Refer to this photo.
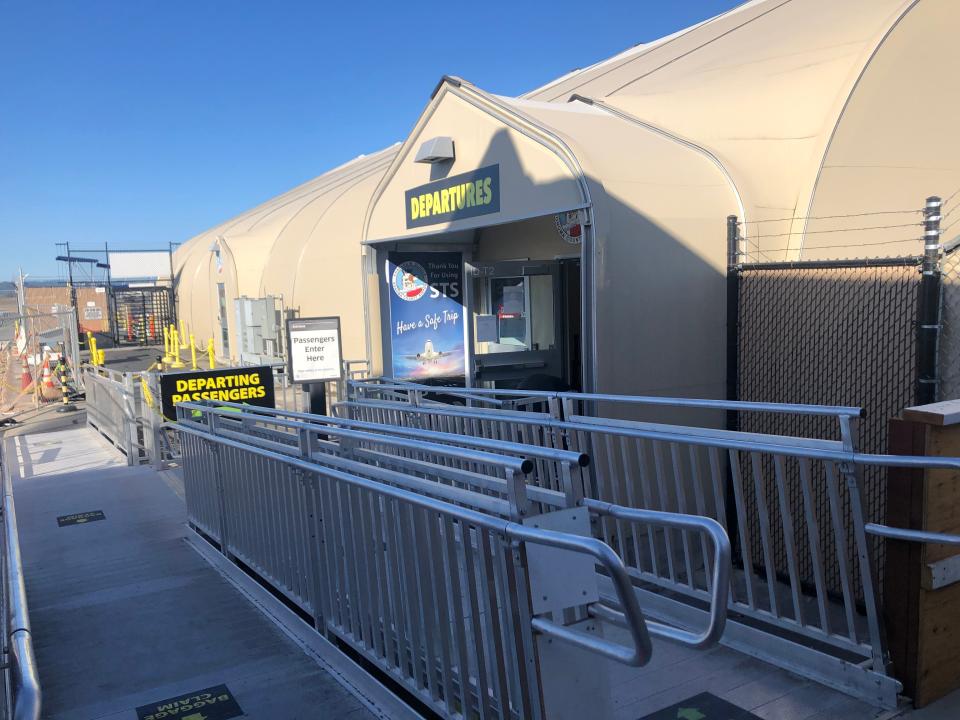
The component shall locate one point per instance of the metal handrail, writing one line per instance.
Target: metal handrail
(514, 464)
(637, 655)
(573, 458)
(908, 535)
(722, 563)
(26, 691)
(742, 405)
(728, 440)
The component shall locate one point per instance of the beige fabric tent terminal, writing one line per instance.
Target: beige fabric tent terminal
(778, 111)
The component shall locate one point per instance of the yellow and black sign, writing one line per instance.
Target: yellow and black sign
(454, 198)
(213, 703)
(81, 518)
(250, 385)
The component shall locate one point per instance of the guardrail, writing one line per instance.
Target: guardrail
(426, 467)
(115, 409)
(440, 597)
(795, 506)
(565, 405)
(23, 679)
(553, 468)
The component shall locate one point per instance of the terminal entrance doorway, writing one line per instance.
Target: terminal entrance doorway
(527, 327)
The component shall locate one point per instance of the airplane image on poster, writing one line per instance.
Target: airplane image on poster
(429, 355)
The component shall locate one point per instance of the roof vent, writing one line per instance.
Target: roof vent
(435, 150)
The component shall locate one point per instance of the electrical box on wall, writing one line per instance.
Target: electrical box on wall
(260, 329)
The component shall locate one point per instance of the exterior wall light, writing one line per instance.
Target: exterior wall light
(435, 150)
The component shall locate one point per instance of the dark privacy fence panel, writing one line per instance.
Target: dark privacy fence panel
(833, 335)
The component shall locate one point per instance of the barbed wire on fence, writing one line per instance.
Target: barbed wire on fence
(829, 217)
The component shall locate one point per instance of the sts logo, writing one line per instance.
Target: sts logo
(410, 281)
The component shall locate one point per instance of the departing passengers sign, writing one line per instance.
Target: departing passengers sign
(454, 198)
(249, 385)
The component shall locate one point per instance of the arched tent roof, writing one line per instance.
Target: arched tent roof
(286, 246)
(786, 93)
(809, 108)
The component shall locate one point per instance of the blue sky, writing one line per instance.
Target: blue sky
(139, 123)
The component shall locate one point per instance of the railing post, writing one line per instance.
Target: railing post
(928, 321)
(853, 480)
(316, 571)
(129, 431)
(223, 526)
(304, 442)
(733, 318)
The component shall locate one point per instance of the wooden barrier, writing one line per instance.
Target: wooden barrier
(922, 589)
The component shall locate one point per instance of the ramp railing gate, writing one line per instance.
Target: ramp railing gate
(376, 537)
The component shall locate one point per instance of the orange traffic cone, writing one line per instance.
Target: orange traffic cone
(47, 375)
(26, 380)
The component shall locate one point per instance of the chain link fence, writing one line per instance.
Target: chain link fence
(948, 351)
(31, 346)
(831, 334)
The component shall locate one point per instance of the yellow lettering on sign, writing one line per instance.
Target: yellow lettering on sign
(470, 197)
(414, 208)
(460, 199)
(487, 192)
(422, 200)
(478, 191)
(445, 200)
(181, 385)
(436, 202)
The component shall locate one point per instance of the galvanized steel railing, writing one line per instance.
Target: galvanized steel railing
(430, 462)
(23, 679)
(493, 483)
(241, 493)
(795, 504)
(435, 595)
(114, 403)
(553, 469)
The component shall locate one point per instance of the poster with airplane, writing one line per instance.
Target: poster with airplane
(426, 314)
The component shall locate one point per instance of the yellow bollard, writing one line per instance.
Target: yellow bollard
(210, 355)
(166, 344)
(100, 360)
(92, 344)
(175, 351)
(193, 353)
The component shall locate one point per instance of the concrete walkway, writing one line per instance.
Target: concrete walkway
(125, 613)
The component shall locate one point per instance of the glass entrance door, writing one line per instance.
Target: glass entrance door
(517, 324)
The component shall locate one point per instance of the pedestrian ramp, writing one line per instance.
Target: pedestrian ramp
(143, 609)
(128, 620)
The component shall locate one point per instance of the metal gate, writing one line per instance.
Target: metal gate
(141, 314)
